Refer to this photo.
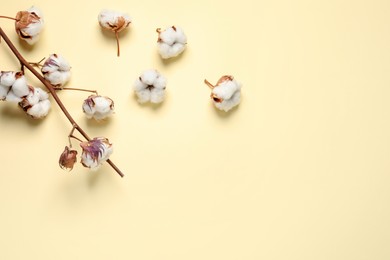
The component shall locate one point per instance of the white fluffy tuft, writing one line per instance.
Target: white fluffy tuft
(31, 32)
(228, 94)
(150, 87)
(56, 70)
(98, 107)
(113, 20)
(171, 42)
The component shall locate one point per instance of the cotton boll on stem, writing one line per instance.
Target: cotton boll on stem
(226, 94)
(115, 22)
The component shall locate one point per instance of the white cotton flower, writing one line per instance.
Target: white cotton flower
(226, 94)
(95, 152)
(115, 22)
(36, 103)
(171, 42)
(18, 89)
(56, 70)
(98, 107)
(29, 24)
(150, 87)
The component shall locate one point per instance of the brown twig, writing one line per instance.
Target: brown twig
(209, 84)
(7, 17)
(52, 91)
(77, 89)
(117, 44)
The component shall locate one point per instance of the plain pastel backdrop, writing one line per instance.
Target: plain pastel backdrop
(300, 170)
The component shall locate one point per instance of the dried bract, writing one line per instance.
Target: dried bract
(68, 158)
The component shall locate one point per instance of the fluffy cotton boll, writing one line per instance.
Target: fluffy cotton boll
(171, 42)
(95, 152)
(7, 78)
(150, 87)
(19, 89)
(98, 107)
(56, 70)
(226, 94)
(113, 20)
(29, 24)
(40, 110)
(228, 104)
(36, 103)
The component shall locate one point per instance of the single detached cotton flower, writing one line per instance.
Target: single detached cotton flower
(150, 86)
(115, 22)
(226, 94)
(13, 86)
(98, 107)
(29, 24)
(68, 158)
(171, 42)
(95, 152)
(56, 70)
(36, 103)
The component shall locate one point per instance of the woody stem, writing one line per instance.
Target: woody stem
(117, 44)
(7, 17)
(52, 91)
(209, 84)
(77, 89)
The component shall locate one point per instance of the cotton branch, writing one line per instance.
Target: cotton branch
(52, 91)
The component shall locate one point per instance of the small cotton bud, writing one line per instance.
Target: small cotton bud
(114, 21)
(171, 42)
(36, 103)
(95, 152)
(226, 94)
(98, 107)
(29, 24)
(67, 159)
(56, 70)
(150, 87)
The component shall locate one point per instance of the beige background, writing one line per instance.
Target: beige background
(299, 171)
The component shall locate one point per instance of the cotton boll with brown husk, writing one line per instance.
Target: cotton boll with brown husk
(29, 24)
(115, 22)
(95, 152)
(171, 42)
(36, 104)
(56, 70)
(150, 87)
(98, 107)
(226, 94)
